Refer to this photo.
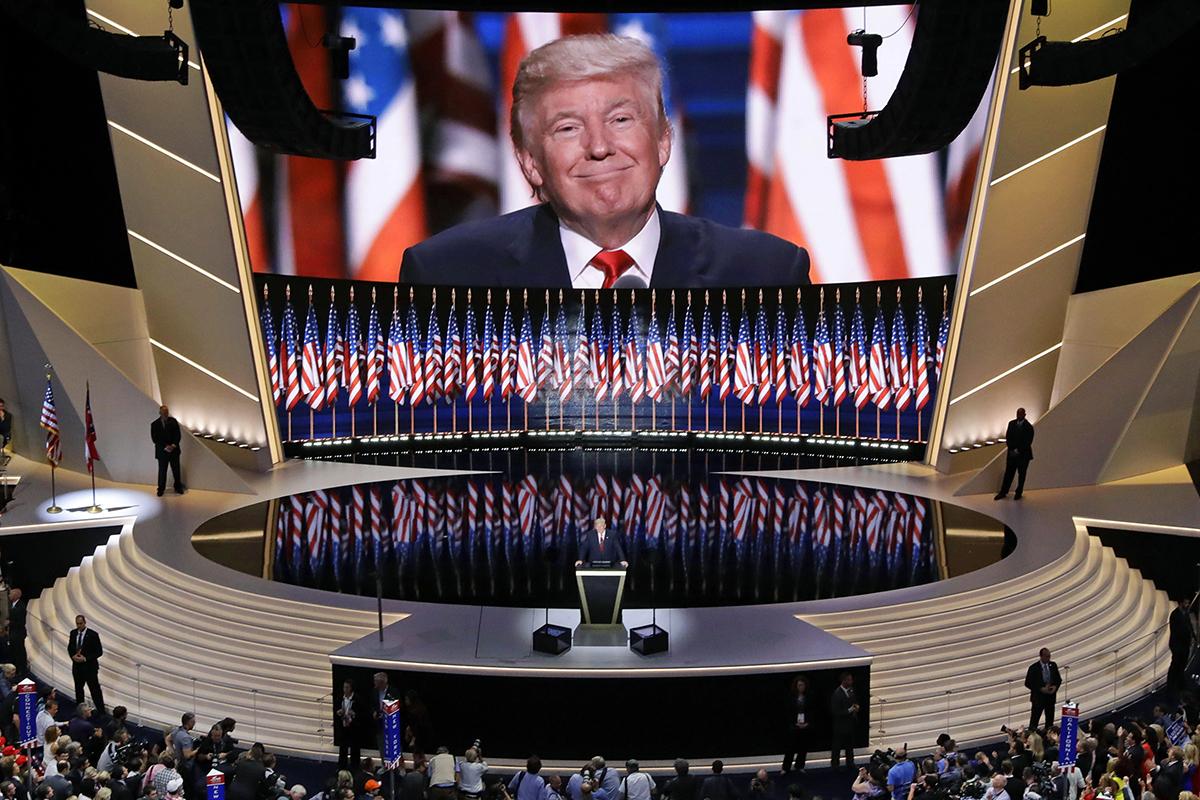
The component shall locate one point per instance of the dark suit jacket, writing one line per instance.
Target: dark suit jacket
(1033, 680)
(362, 726)
(1181, 631)
(524, 248)
(589, 548)
(163, 434)
(839, 710)
(17, 616)
(90, 647)
(1019, 437)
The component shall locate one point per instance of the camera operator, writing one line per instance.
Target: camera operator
(901, 776)
(927, 788)
(761, 786)
(972, 786)
(870, 784)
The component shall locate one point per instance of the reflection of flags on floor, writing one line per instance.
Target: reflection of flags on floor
(860, 220)
(385, 200)
(314, 527)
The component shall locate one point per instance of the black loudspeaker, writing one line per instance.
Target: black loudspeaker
(552, 640)
(648, 640)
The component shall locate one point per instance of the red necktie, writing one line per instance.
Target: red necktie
(613, 263)
(601, 544)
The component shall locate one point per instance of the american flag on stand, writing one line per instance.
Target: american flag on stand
(290, 358)
(919, 366)
(689, 358)
(673, 358)
(762, 355)
(433, 359)
(397, 359)
(385, 197)
(901, 374)
(490, 354)
(561, 343)
(508, 355)
(858, 362)
(352, 369)
(581, 363)
(800, 361)
(415, 376)
(880, 382)
(635, 360)
(706, 356)
(780, 351)
(49, 423)
(943, 336)
(547, 357)
(470, 374)
(598, 368)
(452, 361)
(724, 364)
(841, 387)
(860, 220)
(616, 347)
(268, 332)
(335, 354)
(656, 369)
(745, 379)
(315, 511)
(822, 362)
(90, 453)
(526, 378)
(375, 355)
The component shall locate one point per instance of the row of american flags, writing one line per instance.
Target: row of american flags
(592, 355)
(454, 536)
(439, 83)
(48, 421)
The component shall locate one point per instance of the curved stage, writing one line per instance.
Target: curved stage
(261, 651)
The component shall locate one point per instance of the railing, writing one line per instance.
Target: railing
(878, 731)
(57, 672)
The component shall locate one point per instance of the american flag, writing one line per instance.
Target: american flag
(490, 352)
(470, 377)
(598, 367)
(860, 375)
(881, 387)
(90, 453)
(334, 354)
(656, 502)
(416, 356)
(707, 356)
(49, 423)
(385, 198)
(655, 361)
(290, 358)
(724, 365)
(920, 358)
(337, 530)
(315, 510)
(452, 361)
(582, 362)
(433, 359)
(901, 374)
(508, 354)
(397, 358)
(860, 220)
(762, 355)
(616, 382)
(268, 331)
(635, 360)
(296, 524)
(840, 384)
(800, 360)
(673, 359)
(375, 355)
(781, 350)
(745, 374)
(358, 523)
(943, 336)
(689, 359)
(822, 362)
(352, 369)
(377, 540)
(402, 519)
(312, 381)
(561, 343)
(526, 378)
(546, 358)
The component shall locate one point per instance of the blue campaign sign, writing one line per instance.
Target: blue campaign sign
(27, 711)
(214, 785)
(391, 734)
(1068, 739)
(1177, 733)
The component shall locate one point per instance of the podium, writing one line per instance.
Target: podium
(600, 591)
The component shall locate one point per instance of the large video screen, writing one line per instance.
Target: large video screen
(690, 152)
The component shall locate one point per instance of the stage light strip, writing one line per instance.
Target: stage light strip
(1083, 36)
(613, 672)
(1053, 152)
(183, 261)
(1145, 527)
(1028, 264)
(125, 30)
(164, 151)
(204, 369)
(1006, 373)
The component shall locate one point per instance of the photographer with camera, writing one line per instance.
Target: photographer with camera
(928, 788)
(870, 784)
(470, 773)
(901, 776)
(761, 786)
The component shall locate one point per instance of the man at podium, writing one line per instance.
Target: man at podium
(598, 547)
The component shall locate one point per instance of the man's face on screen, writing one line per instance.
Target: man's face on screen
(596, 149)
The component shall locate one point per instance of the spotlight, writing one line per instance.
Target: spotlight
(869, 42)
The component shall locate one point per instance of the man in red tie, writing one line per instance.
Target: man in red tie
(591, 134)
(600, 546)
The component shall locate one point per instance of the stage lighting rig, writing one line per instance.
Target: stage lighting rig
(869, 42)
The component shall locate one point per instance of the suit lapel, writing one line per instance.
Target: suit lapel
(681, 260)
(536, 249)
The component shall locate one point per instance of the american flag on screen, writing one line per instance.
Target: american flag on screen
(49, 423)
(385, 197)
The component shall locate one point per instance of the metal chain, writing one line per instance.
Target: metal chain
(864, 95)
(1038, 31)
(170, 17)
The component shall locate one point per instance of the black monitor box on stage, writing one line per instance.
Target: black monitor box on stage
(552, 640)
(647, 640)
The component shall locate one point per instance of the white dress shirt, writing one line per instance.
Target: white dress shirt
(579, 251)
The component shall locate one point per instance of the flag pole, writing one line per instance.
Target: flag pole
(287, 298)
(94, 508)
(349, 351)
(54, 508)
(310, 408)
(470, 401)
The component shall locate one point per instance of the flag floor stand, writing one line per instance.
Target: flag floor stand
(54, 508)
